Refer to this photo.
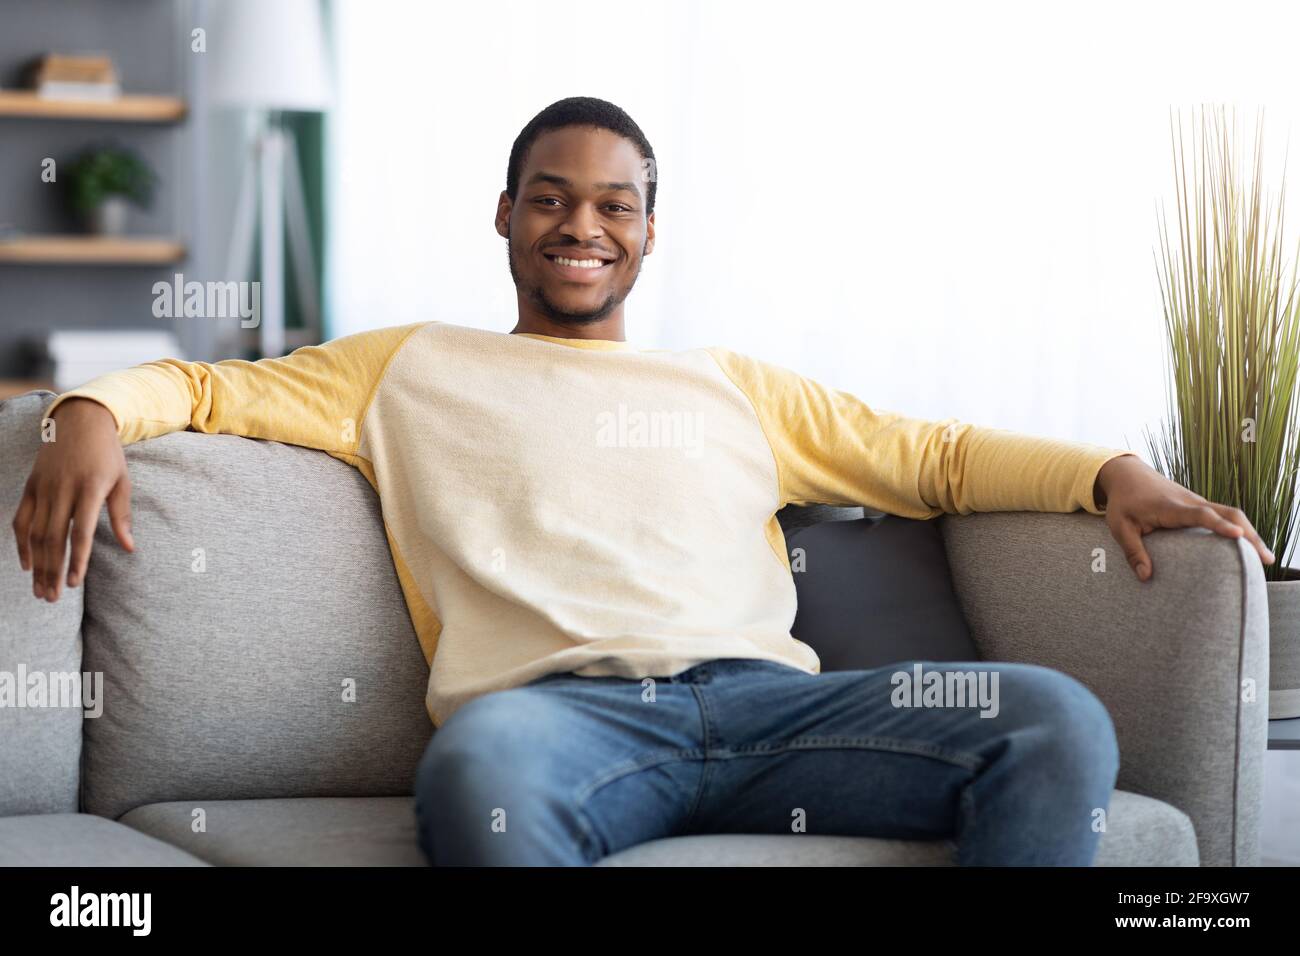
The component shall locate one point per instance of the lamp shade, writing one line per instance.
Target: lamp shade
(268, 54)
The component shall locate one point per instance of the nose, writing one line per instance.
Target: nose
(582, 223)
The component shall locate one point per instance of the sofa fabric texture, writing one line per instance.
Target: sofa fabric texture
(259, 664)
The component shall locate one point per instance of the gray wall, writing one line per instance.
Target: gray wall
(149, 43)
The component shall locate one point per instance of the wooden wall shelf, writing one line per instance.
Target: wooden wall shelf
(136, 108)
(91, 250)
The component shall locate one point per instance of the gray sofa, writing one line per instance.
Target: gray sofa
(262, 590)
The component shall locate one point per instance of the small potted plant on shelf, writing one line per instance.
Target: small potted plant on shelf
(1232, 319)
(103, 181)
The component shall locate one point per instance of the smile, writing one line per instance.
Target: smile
(578, 263)
(578, 270)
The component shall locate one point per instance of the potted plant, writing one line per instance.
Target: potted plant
(1232, 320)
(102, 181)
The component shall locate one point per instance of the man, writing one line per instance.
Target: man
(586, 538)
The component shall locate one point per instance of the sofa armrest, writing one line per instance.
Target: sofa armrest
(1170, 658)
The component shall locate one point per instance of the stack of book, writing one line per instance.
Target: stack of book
(59, 77)
(80, 356)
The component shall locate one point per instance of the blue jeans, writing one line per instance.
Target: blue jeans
(568, 769)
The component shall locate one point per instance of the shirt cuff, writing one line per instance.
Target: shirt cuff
(85, 393)
(1090, 475)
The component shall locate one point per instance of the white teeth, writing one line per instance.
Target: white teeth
(580, 263)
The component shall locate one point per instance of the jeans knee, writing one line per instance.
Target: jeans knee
(491, 787)
(1071, 718)
(456, 790)
(475, 749)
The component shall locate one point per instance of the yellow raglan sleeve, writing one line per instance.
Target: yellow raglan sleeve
(314, 397)
(832, 448)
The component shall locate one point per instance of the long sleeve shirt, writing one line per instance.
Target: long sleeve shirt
(583, 505)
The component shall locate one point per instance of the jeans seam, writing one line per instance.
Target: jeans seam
(967, 761)
(584, 793)
(594, 847)
(689, 821)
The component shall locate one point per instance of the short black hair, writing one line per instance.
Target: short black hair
(581, 111)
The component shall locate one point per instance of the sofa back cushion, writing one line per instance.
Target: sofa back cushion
(875, 591)
(260, 592)
(40, 646)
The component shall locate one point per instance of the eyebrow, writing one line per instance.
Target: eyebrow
(561, 181)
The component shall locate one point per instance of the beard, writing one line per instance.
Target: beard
(558, 314)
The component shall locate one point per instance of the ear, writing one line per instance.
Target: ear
(504, 205)
(649, 235)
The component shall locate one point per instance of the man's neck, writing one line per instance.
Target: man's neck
(610, 327)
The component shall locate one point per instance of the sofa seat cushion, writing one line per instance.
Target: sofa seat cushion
(1141, 831)
(380, 831)
(753, 849)
(294, 831)
(82, 839)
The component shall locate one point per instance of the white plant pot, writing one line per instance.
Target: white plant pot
(1284, 646)
(109, 217)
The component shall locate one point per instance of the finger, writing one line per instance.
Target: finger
(40, 519)
(23, 527)
(119, 512)
(1238, 517)
(84, 518)
(1203, 516)
(56, 544)
(1129, 536)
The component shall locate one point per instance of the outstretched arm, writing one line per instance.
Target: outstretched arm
(833, 448)
(315, 397)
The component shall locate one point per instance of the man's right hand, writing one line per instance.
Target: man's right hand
(70, 481)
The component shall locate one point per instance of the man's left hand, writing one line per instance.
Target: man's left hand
(1138, 499)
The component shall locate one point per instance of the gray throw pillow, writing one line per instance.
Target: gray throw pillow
(256, 643)
(875, 591)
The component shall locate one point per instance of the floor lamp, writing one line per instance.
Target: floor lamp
(269, 58)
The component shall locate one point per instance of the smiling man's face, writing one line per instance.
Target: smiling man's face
(577, 231)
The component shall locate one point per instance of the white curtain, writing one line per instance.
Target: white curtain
(948, 209)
